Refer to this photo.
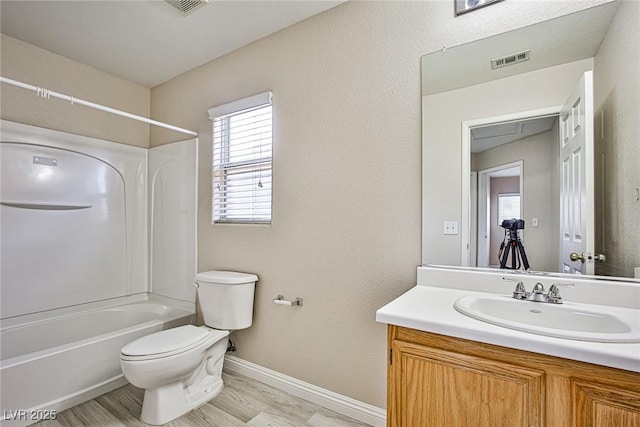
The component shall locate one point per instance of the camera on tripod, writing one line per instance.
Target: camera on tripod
(513, 224)
(512, 241)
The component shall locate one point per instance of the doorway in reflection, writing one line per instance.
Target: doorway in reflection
(516, 178)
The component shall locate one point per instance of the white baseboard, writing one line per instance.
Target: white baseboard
(344, 405)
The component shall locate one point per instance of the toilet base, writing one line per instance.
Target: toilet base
(165, 404)
(168, 402)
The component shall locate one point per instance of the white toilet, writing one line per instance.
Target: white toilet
(180, 368)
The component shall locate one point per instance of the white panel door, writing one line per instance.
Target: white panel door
(576, 179)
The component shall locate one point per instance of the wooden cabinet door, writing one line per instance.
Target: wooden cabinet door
(604, 405)
(437, 388)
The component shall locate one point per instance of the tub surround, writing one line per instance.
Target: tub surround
(172, 219)
(429, 307)
(149, 204)
(104, 230)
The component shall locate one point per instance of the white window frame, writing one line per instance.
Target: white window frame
(223, 168)
(505, 195)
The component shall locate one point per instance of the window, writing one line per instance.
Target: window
(242, 147)
(508, 206)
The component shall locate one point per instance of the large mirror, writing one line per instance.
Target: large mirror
(539, 124)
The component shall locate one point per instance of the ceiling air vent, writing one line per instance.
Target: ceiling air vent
(514, 58)
(187, 6)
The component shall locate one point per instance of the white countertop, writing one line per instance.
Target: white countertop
(430, 309)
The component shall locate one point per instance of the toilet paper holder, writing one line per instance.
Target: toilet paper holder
(281, 301)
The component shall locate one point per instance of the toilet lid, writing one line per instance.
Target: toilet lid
(167, 341)
(226, 277)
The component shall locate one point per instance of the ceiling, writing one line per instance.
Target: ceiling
(469, 64)
(148, 42)
(487, 137)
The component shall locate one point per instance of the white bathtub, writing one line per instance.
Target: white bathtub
(54, 360)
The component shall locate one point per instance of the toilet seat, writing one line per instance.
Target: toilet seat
(170, 342)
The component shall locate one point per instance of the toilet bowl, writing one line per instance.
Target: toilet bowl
(181, 368)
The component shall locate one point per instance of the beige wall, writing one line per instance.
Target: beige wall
(617, 67)
(347, 198)
(537, 153)
(38, 67)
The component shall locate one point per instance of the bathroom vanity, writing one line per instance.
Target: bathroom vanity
(446, 368)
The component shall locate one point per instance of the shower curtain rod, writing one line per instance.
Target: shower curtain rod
(46, 93)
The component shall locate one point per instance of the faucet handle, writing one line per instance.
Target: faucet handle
(554, 291)
(519, 292)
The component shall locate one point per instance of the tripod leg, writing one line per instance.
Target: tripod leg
(513, 256)
(525, 261)
(505, 254)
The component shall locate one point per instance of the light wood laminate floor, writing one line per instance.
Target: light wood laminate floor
(243, 402)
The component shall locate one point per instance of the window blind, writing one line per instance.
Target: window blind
(508, 206)
(242, 160)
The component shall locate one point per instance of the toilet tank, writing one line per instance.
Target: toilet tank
(226, 298)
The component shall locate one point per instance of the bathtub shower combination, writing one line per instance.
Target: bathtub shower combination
(85, 266)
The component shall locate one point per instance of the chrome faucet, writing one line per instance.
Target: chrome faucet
(537, 294)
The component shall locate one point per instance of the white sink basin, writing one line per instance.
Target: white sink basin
(574, 321)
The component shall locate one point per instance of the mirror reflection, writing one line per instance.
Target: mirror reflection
(547, 142)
